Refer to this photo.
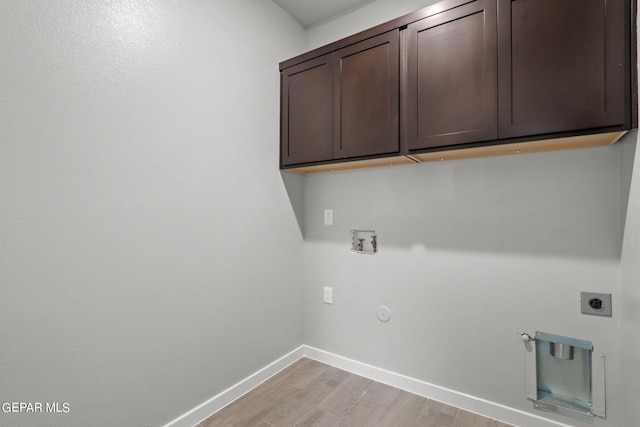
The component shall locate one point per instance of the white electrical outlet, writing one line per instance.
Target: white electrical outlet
(328, 217)
(328, 295)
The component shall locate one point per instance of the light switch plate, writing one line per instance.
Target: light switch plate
(595, 304)
(328, 217)
(328, 295)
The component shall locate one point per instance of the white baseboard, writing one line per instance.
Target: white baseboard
(451, 397)
(222, 399)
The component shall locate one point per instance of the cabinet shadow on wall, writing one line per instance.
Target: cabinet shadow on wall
(294, 184)
(569, 203)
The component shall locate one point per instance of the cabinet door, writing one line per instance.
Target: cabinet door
(451, 89)
(562, 65)
(307, 112)
(366, 97)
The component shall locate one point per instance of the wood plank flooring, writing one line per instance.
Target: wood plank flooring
(310, 393)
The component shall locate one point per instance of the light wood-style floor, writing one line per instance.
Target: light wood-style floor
(310, 393)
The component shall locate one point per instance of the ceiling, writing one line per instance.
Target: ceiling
(311, 12)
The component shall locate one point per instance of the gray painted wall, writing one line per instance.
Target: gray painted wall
(472, 252)
(150, 256)
(630, 293)
(630, 300)
(139, 183)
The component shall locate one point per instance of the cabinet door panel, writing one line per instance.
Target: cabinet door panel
(451, 91)
(366, 97)
(307, 112)
(562, 65)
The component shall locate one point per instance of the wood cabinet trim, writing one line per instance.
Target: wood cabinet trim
(514, 148)
(394, 24)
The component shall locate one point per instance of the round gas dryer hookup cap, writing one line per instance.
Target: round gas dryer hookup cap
(383, 313)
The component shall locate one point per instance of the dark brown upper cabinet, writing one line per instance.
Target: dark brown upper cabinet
(563, 65)
(450, 94)
(366, 97)
(344, 104)
(307, 112)
(463, 78)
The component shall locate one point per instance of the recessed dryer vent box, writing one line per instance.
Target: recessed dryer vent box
(565, 377)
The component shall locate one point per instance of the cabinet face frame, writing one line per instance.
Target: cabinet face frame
(517, 110)
(468, 59)
(306, 112)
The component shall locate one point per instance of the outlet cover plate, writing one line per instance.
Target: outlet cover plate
(595, 304)
(328, 295)
(328, 217)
